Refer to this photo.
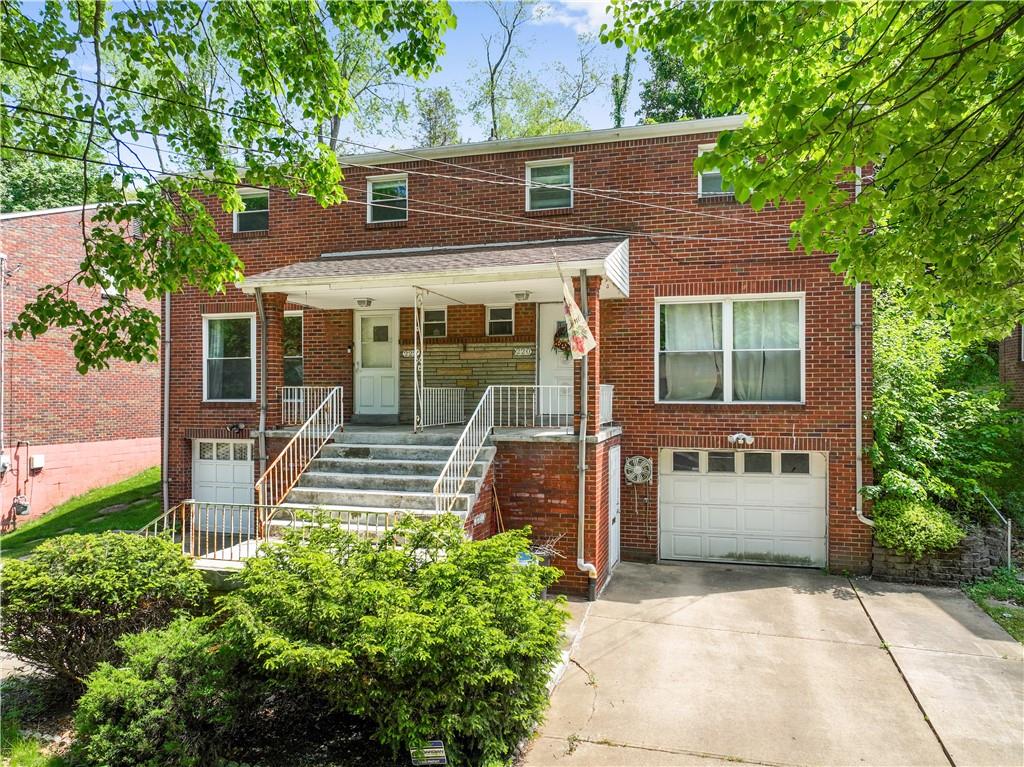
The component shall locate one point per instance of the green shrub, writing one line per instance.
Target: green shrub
(915, 527)
(66, 605)
(178, 699)
(439, 637)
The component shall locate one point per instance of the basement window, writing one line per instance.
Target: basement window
(256, 215)
(388, 198)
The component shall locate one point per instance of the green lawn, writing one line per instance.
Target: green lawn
(82, 513)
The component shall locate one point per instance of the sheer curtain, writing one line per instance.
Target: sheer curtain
(766, 351)
(216, 344)
(691, 358)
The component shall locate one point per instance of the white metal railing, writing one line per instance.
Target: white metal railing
(299, 402)
(605, 405)
(233, 532)
(279, 478)
(442, 405)
(500, 407)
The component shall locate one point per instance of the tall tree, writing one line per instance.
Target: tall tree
(927, 98)
(501, 52)
(438, 121)
(674, 91)
(622, 82)
(277, 72)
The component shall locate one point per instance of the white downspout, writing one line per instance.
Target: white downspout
(581, 563)
(858, 366)
(165, 437)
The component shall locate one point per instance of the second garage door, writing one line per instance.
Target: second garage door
(743, 506)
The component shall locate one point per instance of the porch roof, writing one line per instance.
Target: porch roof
(487, 273)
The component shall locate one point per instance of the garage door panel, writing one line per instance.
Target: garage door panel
(685, 489)
(777, 518)
(757, 490)
(721, 518)
(758, 520)
(720, 489)
(685, 517)
(675, 546)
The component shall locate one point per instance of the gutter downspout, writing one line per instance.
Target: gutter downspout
(165, 448)
(858, 386)
(261, 434)
(581, 564)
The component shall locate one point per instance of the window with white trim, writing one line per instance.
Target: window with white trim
(730, 350)
(292, 348)
(435, 323)
(228, 370)
(255, 216)
(709, 182)
(388, 197)
(548, 184)
(500, 321)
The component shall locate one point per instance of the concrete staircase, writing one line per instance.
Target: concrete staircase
(384, 469)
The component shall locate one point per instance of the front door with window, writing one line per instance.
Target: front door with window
(555, 365)
(376, 363)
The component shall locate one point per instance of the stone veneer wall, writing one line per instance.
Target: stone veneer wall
(979, 553)
(473, 366)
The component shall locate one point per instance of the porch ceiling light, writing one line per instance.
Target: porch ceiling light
(364, 303)
(521, 295)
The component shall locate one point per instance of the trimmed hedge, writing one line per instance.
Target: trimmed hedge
(915, 527)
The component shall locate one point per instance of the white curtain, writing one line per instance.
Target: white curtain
(691, 358)
(766, 356)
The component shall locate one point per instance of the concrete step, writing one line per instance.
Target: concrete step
(392, 467)
(397, 437)
(396, 452)
(370, 499)
(399, 483)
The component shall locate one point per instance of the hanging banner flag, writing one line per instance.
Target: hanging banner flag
(581, 340)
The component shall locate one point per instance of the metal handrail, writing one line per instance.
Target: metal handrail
(280, 477)
(442, 405)
(1009, 530)
(502, 406)
(163, 523)
(299, 402)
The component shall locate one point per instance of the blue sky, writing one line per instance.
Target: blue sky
(550, 37)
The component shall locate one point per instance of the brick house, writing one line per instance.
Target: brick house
(724, 378)
(63, 432)
(1011, 366)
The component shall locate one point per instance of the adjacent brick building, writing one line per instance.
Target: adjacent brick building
(78, 431)
(1011, 367)
(723, 358)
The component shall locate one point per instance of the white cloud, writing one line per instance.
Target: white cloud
(584, 17)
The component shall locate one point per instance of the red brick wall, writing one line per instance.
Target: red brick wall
(47, 400)
(710, 248)
(1011, 368)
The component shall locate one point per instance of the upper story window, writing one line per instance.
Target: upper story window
(548, 184)
(228, 369)
(293, 349)
(709, 182)
(435, 323)
(256, 215)
(730, 350)
(499, 321)
(388, 197)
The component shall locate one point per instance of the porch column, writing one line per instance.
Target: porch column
(593, 312)
(273, 304)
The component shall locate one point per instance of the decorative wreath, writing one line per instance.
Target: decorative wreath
(561, 342)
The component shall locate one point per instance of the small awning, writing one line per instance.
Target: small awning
(477, 274)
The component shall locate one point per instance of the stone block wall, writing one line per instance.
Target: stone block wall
(977, 556)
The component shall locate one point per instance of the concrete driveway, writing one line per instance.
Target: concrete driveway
(702, 664)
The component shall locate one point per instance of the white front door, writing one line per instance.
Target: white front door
(555, 368)
(743, 506)
(376, 363)
(222, 475)
(614, 503)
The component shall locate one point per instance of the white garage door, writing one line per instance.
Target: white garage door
(222, 474)
(743, 506)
